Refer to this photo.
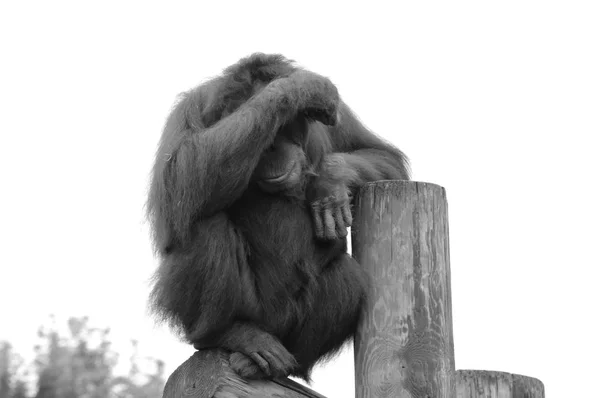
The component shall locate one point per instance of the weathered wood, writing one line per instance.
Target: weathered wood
(207, 374)
(404, 346)
(486, 384)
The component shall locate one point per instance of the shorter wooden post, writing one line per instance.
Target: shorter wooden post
(487, 384)
(207, 374)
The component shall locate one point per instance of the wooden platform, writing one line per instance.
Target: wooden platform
(207, 374)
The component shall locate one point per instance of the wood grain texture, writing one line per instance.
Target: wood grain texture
(487, 384)
(207, 374)
(404, 347)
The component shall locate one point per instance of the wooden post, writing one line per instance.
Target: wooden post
(486, 384)
(207, 374)
(404, 347)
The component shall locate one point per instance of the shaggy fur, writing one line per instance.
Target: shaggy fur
(249, 204)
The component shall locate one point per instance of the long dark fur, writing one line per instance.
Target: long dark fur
(240, 268)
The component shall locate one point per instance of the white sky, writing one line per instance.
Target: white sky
(499, 102)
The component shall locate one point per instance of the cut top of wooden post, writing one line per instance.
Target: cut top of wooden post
(489, 384)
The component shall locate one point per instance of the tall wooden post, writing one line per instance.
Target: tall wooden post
(404, 347)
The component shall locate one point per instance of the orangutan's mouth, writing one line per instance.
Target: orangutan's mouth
(280, 178)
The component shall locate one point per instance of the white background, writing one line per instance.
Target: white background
(499, 102)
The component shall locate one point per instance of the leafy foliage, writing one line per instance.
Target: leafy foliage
(77, 364)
